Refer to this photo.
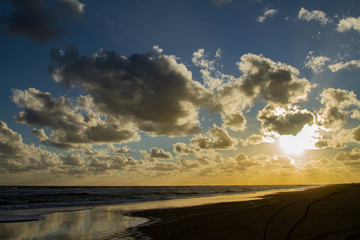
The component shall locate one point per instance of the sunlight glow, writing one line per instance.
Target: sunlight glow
(305, 139)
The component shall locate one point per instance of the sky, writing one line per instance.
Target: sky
(209, 92)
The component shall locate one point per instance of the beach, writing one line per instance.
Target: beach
(327, 212)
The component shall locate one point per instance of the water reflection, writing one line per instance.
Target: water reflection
(104, 222)
(96, 223)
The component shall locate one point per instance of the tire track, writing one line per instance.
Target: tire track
(305, 214)
(272, 217)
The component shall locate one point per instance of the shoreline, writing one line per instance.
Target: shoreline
(326, 212)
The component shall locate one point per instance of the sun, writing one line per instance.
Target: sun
(305, 139)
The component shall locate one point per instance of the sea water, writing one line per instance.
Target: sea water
(103, 212)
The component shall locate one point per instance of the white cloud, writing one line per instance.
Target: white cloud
(16, 156)
(316, 63)
(267, 13)
(333, 115)
(315, 15)
(350, 65)
(349, 23)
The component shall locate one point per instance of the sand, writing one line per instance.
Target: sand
(328, 212)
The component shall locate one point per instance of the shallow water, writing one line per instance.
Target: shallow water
(102, 222)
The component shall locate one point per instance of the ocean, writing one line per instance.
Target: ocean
(39, 212)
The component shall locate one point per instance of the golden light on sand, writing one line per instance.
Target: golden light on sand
(305, 139)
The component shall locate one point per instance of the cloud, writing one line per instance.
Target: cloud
(109, 162)
(316, 63)
(256, 139)
(350, 65)
(315, 15)
(72, 123)
(262, 80)
(356, 134)
(211, 76)
(335, 101)
(267, 13)
(38, 21)
(218, 3)
(275, 82)
(74, 159)
(349, 23)
(235, 121)
(337, 140)
(182, 148)
(16, 156)
(219, 139)
(348, 157)
(159, 153)
(121, 150)
(152, 90)
(288, 120)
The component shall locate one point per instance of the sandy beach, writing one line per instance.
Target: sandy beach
(329, 212)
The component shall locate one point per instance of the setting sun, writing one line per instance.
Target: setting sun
(296, 145)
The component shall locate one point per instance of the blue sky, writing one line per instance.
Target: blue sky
(179, 92)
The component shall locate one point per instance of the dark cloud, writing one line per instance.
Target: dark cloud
(275, 82)
(72, 124)
(356, 134)
(103, 163)
(287, 120)
(74, 159)
(39, 21)
(152, 90)
(235, 121)
(159, 153)
(182, 148)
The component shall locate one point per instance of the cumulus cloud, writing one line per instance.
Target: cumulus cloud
(212, 77)
(274, 82)
(349, 23)
(288, 120)
(121, 150)
(267, 13)
(39, 21)
(219, 139)
(111, 162)
(350, 65)
(262, 80)
(256, 139)
(74, 159)
(72, 122)
(351, 159)
(316, 63)
(335, 101)
(16, 156)
(182, 148)
(152, 90)
(356, 134)
(315, 15)
(159, 153)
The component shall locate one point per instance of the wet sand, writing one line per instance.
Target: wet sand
(329, 212)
